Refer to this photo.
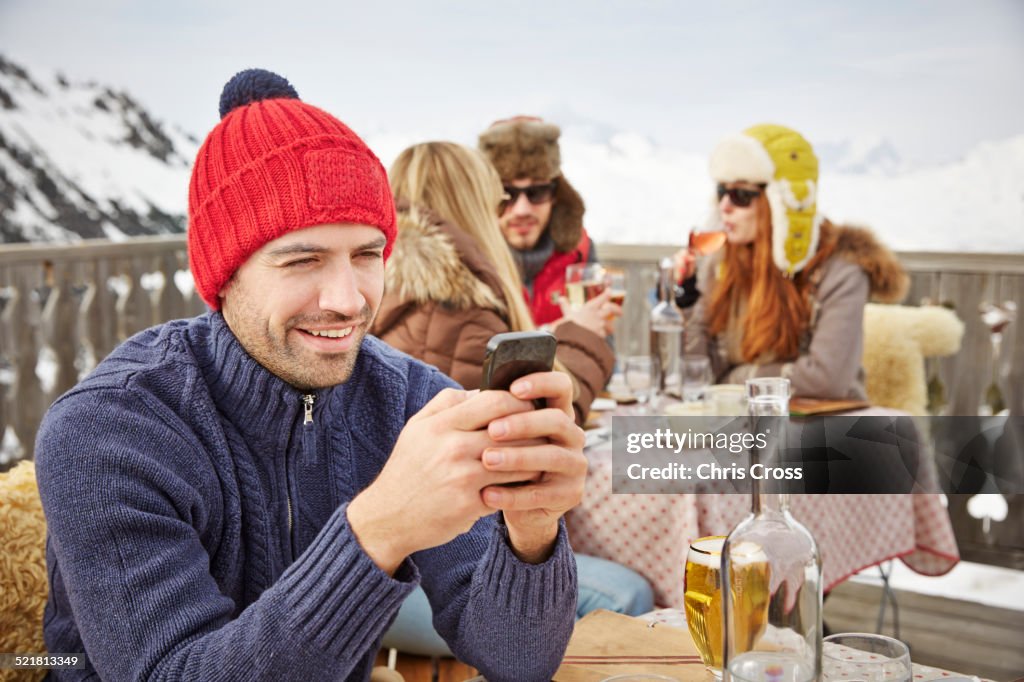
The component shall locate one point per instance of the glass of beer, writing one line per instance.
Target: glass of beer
(702, 588)
(615, 281)
(583, 281)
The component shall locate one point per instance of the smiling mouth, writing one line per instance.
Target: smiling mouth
(330, 333)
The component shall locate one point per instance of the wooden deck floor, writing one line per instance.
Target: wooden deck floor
(962, 636)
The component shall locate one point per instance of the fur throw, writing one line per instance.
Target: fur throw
(526, 147)
(858, 245)
(434, 261)
(23, 582)
(897, 339)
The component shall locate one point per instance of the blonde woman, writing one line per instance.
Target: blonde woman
(451, 282)
(450, 285)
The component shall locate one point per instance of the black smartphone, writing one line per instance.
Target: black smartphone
(513, 355)
(516, 354)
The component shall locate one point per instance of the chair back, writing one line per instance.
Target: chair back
(897, 339)
(23, 582)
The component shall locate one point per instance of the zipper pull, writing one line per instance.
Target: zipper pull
(308, 400)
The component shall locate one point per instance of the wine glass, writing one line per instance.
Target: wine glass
(704, 241)
(696, 377)
(865, 656)
(615, 282)
(768, 397)
(583, 281)
(640, 378)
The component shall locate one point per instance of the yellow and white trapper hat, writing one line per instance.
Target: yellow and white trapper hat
(782, 160)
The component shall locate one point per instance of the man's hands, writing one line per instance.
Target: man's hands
(556, 466)
(436, 483)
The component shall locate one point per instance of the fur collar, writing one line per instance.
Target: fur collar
(858, 245)
(435, 262)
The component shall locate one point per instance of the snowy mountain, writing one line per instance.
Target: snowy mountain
(80, 160)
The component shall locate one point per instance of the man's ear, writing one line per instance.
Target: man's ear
(222, 294)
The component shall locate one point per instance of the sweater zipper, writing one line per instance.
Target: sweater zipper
(307, 426)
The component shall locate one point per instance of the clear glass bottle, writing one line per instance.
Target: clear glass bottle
(666, 334)
(771, 569)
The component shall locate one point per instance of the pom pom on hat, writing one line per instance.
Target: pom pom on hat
(253, 85)
(273, 165)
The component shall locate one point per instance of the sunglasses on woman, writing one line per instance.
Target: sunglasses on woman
(535, 194)
(739, 196)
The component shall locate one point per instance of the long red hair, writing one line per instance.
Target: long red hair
(778, 308)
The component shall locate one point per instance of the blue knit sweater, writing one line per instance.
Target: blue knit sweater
(197, 525)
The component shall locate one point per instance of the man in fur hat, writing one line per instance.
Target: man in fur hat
(542, 218)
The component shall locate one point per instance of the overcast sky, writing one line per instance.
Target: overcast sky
(935, 77)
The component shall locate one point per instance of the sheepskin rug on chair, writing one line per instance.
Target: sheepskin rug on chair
(897, 339)
(23, 585)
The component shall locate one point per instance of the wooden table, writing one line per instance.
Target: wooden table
(605, 644)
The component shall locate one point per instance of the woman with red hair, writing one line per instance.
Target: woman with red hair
(785, 296)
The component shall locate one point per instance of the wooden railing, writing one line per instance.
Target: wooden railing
(64, 308)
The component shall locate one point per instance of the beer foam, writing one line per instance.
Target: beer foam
(747, 552)
(709, 554)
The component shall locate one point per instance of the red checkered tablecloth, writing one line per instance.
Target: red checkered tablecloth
(651, 533)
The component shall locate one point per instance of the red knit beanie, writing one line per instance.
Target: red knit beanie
(275, 164)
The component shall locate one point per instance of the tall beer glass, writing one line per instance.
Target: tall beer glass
(703, 596)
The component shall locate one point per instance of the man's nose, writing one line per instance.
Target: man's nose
(522, 205)
(340, 293)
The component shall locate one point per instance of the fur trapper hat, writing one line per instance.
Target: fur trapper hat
(527, 147)
(782, 160)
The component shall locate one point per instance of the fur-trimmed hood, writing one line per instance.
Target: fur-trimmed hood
(858, 245)
(435, 262)
(527, 147)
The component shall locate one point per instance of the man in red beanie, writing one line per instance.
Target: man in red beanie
(251, 494)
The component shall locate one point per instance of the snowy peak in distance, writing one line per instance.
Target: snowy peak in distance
(83, 160)
(867, 155)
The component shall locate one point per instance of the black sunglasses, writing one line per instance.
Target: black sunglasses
(535, 194)
(738, 196)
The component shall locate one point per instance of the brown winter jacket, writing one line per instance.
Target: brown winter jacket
(443, 302)
(829, 363)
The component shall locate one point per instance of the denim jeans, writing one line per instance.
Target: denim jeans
(603, 585)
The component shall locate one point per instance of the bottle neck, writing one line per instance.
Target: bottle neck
(764, 502)
(665, 284)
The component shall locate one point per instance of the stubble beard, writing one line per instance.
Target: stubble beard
(302, 368)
